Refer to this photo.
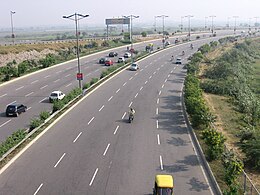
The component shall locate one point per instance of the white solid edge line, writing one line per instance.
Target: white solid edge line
(5, 123)
(203, 172)
(91, 120)
(116, 129)
(93, 177)
(123, 115)
(104, 154)
(60, 117)
(38, 189)
(59, 160)
(161, 163)
(158, 139)
(77, 137)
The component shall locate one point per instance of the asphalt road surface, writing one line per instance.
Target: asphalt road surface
(92, 149)
(33, 90)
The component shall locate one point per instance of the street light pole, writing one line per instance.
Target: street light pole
(155, 23)
(228, 22)
(77, 17)
(235, 27)
(163, 16)
(256, 23)
(189, 16)
(212, 26)
(182, 23)
(12, 26)
(249, 25)
(206, 23)
(131, 34)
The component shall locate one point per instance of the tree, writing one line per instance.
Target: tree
(144, 34)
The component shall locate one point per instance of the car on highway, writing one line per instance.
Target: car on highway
(134, 67)
(15, 109)
(127, 55)
(178, 61)
(112, 54)
(56, 95)
(109, 62)
(102, 60)
(167, 43)
(121, 60)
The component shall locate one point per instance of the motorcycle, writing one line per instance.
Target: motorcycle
(131, 118)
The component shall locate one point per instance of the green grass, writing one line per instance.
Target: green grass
(256, 77)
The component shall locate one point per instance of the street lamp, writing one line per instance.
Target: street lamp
(189, 16)
(131, 34)
(256, 23)
(182, 23)
(206, 23)
(163, 16)
(76, 18)
(235, 27)
(155, 23)
(12, 26)
(212, 26)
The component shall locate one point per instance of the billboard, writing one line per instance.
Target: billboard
(117, 21)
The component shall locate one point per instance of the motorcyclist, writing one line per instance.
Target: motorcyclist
(191, 46)
(131, 113)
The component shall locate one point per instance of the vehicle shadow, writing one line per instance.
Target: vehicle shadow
(2, 114)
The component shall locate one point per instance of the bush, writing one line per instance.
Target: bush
(93, 81)
(44, 115)
(12, 140)
(144, 34)
(35, 123)
(57, 105)
(215, 143)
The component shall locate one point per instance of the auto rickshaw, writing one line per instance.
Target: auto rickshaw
(163, 185)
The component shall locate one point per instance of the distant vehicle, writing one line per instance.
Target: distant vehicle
(177, 41)
(178, 61)
(112, 54)
(149, 47)
(127, 55)
(121, 59)
(134, 67)
(56, 95)
(15, 109)
(167, 43)
(163, 185)
(102, 60)
(109, 62)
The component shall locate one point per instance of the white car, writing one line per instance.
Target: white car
(121, 59)
(56, 95)
(134, 66)
(127, 55)
(178, 61)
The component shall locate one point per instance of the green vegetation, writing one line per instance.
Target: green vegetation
(229, 75)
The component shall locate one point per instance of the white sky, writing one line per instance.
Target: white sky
(50, 12)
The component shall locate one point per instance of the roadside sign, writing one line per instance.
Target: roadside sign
(79, 76)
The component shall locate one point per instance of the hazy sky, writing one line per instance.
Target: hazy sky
(50, 12)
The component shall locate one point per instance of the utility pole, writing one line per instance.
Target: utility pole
(189, 16)
(131, 35)
(182, 23)
(235, 27)
(12, 26)
(212, 25)
(206, 23)
(76, 18)
(163, 16)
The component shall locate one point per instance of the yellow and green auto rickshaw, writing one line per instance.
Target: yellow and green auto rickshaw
(163, 185)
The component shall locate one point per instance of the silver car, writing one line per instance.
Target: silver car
(134, 67)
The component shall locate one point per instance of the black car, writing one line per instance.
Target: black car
(15, 109)
(112, 54)
(102, 60)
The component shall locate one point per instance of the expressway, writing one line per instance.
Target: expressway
(91, 149)
(33, 90)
